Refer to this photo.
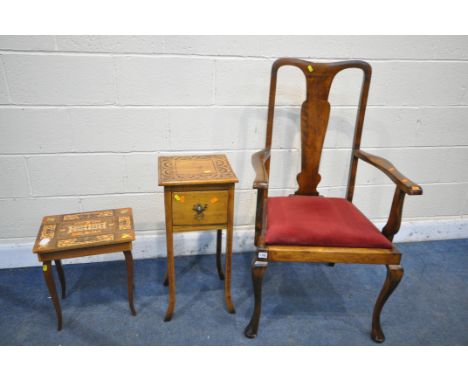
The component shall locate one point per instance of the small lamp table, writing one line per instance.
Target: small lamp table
(198, 195)
(84, 234)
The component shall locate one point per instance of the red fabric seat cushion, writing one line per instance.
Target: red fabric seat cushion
(319, 221)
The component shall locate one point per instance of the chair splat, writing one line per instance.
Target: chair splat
(315, 114)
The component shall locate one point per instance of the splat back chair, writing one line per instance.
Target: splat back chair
(307, 228)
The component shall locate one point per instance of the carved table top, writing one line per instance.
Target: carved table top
(195, 169)
(84, 230)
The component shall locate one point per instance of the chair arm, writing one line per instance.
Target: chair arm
(403, 183)
(261, 174)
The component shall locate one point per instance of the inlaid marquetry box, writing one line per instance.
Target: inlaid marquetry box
(84, 234)
(82, 230)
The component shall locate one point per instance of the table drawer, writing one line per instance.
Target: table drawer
(199, 207)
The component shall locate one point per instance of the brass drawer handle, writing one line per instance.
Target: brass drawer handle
(199, 209)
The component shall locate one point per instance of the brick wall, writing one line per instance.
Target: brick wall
(83, 119)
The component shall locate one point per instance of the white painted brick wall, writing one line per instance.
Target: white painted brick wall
(119, 129)
(164, 81)
(220, 128)
(4, 96)
(108, 44)
(140, 172)
(14, 172)
(442, 127)
(50, 79)
(24, 215)
(84, 118)
(36, 43)
(35, 131)
(72, 174)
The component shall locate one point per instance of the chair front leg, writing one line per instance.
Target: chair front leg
(258, 271)
(394, 276)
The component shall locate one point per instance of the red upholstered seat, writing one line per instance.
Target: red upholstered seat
(319, 221)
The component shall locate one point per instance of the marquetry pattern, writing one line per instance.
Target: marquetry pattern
(72, 231)
(195, 169)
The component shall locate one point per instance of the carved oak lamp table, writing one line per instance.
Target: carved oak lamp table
(198, 195)
(84, 234)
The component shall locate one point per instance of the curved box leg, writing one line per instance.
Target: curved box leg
(228, 265)
(49, 279)
(61, 275)
(170, 256)
(130, 283)
(219, 266)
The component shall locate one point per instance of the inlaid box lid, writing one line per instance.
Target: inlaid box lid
(195, 169)
(84, 230)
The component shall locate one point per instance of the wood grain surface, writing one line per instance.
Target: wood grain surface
(213, 203)
(195, 169)
(84, 230)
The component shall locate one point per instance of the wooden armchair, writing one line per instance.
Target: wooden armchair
(307, 228)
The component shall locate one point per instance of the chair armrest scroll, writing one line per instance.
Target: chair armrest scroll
(403, 183)
(261, 174)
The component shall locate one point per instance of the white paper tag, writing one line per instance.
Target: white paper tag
(262, 255)
(44, 242)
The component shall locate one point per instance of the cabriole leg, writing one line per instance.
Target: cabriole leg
(394, 275)
(258, 271)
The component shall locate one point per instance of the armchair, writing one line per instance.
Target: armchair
(305, 227)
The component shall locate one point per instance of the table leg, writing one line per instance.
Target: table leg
(49, 279)
(130, 283)
(229, 234)
(170, 255)
(219, 237)
(61, 275)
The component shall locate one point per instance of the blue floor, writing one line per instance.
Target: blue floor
(304, 304)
